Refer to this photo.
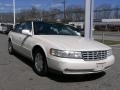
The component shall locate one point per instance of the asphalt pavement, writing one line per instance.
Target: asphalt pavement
(16, 73)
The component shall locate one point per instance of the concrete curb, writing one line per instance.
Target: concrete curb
(115, 45)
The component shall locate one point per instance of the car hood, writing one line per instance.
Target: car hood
(73, 43)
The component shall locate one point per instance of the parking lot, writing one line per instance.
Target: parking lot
(16, 73)
(115, 36)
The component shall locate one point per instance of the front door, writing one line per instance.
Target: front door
(25, 40)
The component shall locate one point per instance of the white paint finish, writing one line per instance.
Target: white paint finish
(82, 66)
(72, 43)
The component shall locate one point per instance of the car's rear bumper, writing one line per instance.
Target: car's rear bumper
(79, 66)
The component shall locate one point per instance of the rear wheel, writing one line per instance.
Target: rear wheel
(10, 47)
(40, 64)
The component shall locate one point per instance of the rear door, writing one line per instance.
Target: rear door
(16, 37)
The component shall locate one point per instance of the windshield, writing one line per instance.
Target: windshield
(41, 28)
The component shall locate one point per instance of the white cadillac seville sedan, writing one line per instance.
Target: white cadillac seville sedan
(58, 47)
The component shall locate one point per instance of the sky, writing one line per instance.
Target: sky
(6, 5)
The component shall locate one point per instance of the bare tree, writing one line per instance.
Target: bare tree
(75, 13)
(103, 11)
(117, 12)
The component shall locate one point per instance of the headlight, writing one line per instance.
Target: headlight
(109, 52)
(65, 54)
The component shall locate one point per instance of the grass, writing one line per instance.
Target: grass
(109, 42)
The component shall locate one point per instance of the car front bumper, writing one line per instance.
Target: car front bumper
(79, 66)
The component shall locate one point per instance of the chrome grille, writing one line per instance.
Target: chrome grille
(94, 55)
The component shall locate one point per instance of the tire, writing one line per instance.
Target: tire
(10, 48)
(40, 63)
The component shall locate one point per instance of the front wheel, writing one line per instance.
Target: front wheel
(40, 64)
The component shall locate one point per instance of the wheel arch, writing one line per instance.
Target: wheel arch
(10, 38)
(38, 47)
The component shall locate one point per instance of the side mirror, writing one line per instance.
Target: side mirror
(26, 32)
(79, 34)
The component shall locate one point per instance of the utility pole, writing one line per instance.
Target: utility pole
(14, 12)
(64, 3)
(89, 9)
(1, 19)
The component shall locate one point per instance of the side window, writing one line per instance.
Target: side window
(38, 27)
(18, 28)
(27, 25)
